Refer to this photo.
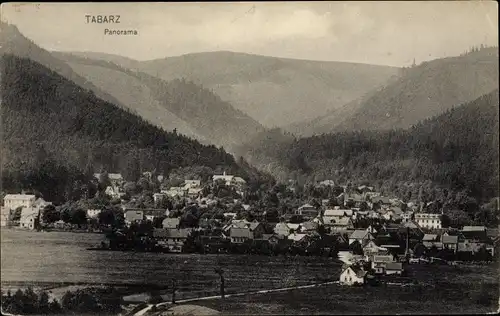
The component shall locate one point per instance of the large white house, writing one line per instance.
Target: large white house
(427, 220)
(14, 201)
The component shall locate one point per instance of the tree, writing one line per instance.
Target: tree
(50, 214)
(79, 217)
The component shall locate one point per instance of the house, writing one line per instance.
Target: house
(171, 222)
(352, 274)
(473, 229)
(327, 183)
(356, 199)
(29, 217)
(343, 224)
(41, 203)
(307, 210)
(371, 249)
(450, 242)
(297, 237)
(430, 240)
(174, 192)
(114, 191)
(5, 216)
(229, 180)
(158, 197)
(379, 263)
(428, 220)
(407, 216)
(361, 236)
(172, 238)
(133, 216)
(394, 268)
(336, 214)
(194, 192)
(115, 179)
(151, 214)
(272, 239)
(192, 184)
(383, 201)
(14, 201)
(284, 229)
(250, 231)
(365, 189)
(93, 213)
(308, 227)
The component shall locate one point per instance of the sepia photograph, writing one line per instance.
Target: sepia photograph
(249, 158)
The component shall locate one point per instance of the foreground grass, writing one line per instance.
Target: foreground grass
(437, 290)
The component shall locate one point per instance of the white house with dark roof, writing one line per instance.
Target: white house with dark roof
(307, 210)
(360, 235)
(352, 274)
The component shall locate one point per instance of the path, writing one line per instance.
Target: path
(146, 309)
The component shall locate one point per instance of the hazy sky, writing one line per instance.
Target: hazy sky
(390, 33)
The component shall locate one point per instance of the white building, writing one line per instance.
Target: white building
(29, 216)
(14, 201)
(427, 220)
(93, 213)
(352, 275)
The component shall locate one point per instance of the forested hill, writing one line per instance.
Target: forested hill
(14, 43)
(457, 150)
(53, 130)
(204, 114)
(423, 91)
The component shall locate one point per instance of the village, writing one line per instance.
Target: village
(371, 233)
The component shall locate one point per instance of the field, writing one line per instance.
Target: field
(440, 290)
(57, 260)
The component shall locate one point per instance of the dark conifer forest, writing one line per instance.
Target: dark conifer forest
(55, 132)
(456, 151)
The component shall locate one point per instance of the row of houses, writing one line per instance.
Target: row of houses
(30, 212)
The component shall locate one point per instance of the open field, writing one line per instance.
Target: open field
(56, 260)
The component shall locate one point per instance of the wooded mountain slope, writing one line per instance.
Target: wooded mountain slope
(274, 91)
(423, 91)
(457, 150)
(53, 130)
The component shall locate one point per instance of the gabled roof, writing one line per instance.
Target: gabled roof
(473, 228)
(430, 237)
(18, 197)
(449, 239)
(337, 212)
(359, 234)
(306, 206)
(296, 237)
(171, 232)
(356, 269)
(394, 266)
(171, 222)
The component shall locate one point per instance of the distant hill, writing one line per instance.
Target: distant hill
(186, 106)
(457, 150)
(273, 91)
(422, 92)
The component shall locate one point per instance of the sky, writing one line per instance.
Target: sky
(385, 33)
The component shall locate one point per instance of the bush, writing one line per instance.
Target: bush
(28, 302)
